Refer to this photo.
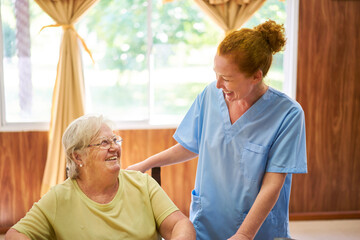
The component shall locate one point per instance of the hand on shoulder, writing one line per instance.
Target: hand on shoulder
(137, 167)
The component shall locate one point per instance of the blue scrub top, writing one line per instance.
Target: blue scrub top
(233, 158)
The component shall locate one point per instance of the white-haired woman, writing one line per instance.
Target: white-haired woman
(98, 200)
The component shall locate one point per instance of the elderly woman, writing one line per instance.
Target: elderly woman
(98, 200)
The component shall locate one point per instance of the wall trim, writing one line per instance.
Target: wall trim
(324, 215)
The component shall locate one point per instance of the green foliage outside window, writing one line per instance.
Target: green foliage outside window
(116, 32)
(122, 26)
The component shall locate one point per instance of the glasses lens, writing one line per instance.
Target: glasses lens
(117, 140)
(107, 143)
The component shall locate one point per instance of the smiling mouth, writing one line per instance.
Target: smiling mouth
(111, 158)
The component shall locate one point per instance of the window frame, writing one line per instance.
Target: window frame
(291, 50)
(289, 85)
(2, 90)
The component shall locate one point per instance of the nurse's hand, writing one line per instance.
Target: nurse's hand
(172, 155)
(138, 167)
(240, 236)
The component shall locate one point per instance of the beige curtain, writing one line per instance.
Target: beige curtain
(229, 14)
(68, 94)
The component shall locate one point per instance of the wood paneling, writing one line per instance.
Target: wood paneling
(328, 88)
(22, 163)
(325, 215)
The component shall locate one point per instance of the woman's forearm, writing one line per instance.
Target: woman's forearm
(175, 154)
(265, 201)
(183, 230)
(12, 234)
(177, 226)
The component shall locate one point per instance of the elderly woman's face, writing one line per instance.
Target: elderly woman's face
(100, 161)
(234, 84)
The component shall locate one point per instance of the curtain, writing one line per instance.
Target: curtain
(229, 14)
(68, 94)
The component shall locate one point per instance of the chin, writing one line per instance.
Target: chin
(230, 98)
(115, 167)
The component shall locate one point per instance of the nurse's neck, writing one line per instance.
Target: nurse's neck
(238, 107)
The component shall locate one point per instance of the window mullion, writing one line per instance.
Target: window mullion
(23, 46)
(290, 53)
(2, 92)
(149, 60)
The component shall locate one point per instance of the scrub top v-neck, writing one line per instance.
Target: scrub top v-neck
(233, 158)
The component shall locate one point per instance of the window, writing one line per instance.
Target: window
(29, 62)
(152, 60)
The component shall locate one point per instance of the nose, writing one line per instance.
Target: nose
(113, 145)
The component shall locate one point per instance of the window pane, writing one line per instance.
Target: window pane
(127, 85)
(185, 43)
(123, 84)
(179, 67)
(29, 61)
(117, 86)
(184, 47)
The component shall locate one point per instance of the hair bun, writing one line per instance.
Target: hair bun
(273, 33)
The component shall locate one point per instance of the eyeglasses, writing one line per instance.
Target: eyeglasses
(106, 143)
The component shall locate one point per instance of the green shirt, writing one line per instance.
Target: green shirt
(65, 212)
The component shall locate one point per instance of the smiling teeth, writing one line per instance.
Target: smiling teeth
(112, 158)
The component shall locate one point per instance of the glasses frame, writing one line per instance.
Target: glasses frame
(110, 141)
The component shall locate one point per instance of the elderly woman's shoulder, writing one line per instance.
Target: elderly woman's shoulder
(133, 174)
(66, 185)
(135, 177)
(62, 190)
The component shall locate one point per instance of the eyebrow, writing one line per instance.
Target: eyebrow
(225, 76)
(221, 74)
(105, 137)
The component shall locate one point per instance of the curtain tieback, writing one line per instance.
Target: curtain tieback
(70, 26)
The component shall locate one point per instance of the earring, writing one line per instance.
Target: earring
(81, 165)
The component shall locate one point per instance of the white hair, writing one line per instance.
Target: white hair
(78, 136)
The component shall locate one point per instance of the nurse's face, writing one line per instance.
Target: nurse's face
(234, 84)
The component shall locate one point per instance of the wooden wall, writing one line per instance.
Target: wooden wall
(328, 89)
(22, 163)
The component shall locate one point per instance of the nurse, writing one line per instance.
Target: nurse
(249, 139)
